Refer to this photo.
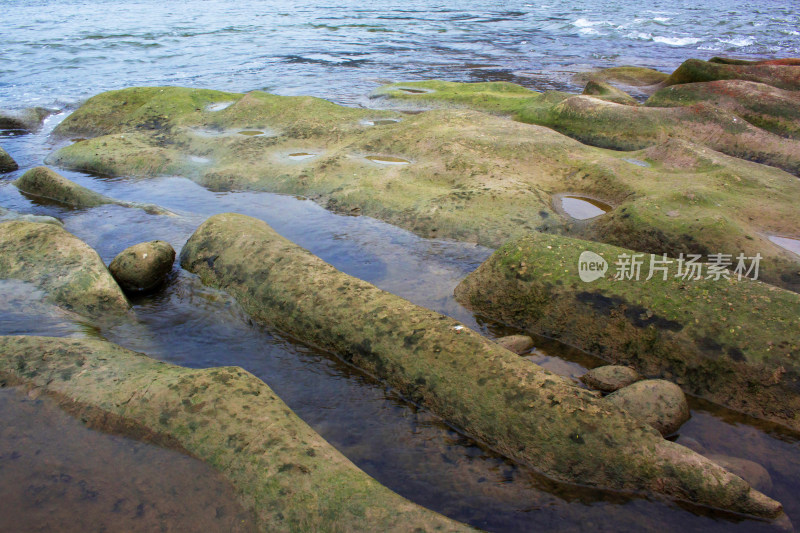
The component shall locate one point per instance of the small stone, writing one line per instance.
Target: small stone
(657, 402)
(519, 344)
(610, 378)
(143, 267)
(752, 472)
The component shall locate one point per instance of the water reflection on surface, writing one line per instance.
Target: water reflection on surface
(401, 445)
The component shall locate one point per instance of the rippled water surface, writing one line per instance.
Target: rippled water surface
(59, 52)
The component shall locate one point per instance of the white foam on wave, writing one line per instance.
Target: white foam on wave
(661, 19)
(640, 36)
(584, 23)
(589, 31)
(677, 41)
(738, 41)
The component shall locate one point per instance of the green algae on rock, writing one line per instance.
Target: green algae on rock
(783, 74)
(29, 119)
(8, 214)
(769, 108)
(626, 75)
(475, 177)
(283, 471)
(518, 408)
(66, 268)
(7, 163)
(604, 91)
(43, 182)
(732, 342)
(143, 267)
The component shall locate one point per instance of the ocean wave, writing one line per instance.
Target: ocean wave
(584, 23)
(738, 41)
(677, 41)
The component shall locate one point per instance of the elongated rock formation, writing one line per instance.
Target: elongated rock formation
(66, 268)
(522, 410)
(290, 477)
(732, 342)
(48, 184)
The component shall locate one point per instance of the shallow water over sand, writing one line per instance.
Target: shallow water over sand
(401, 445)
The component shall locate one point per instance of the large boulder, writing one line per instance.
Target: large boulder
(8, 214)
(7, 163)
(518, 408)
(283, 471)
(143, 267)
(731, 341)
(43, 182)
(29, 119)
(66, 268)
(656, 402)
(781, 74)
(610, 378)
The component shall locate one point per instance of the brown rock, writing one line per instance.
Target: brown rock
(610, 378)
(519, 344)
(657, 402)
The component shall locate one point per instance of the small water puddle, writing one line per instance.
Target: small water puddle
(301, 156)
(381, 121)
(251, 133)
(387, 160)
(637, 162)
(583, 208)
(414, 91)
(218, 106)
(793, 245)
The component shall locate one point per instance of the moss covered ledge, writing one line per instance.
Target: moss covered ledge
(283, 471)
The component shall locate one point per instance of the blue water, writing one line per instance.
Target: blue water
(61, 51)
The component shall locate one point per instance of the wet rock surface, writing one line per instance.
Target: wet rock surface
(610, 378)
(29, 119)
(70, 271)
(729, 341)
(45, 183)
(143, 267)
(282, 471)
(519, 344)
(500, 398)
(656, 402)
(750, 471)
(7, 163)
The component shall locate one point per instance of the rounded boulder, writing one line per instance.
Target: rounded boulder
(610, 378)
(143, 267)
(657, 402)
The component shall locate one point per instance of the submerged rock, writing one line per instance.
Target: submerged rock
(67, 269)
(519, 344)
(750, 471)
(29, 119)
(729, 341)
(630, 76)
(45, 183)
(7, 214)
(283, 471)
(656, 402)
(783, 74)
(604, 91)
(520, 409)
(610, 378)
(7, 163)
(143, 267)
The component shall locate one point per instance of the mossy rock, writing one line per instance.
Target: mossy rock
(604, 91)
(29, 119)
(7, 215)
(732, 342)
(769, 108)
(626, 75)
(66, 268)
(7, 163)
(42, 182)
(656, 402)
(775, 73)
(283, 471)
(527, 413)
(471, 175)
(143, 267)
(610, 378)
